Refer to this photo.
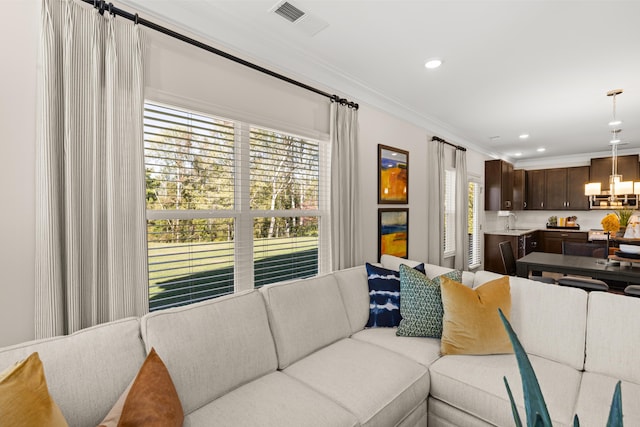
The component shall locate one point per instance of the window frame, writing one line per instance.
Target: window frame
(241, 212)
(477, 235)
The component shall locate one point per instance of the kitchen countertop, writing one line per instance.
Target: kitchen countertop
(523, 231)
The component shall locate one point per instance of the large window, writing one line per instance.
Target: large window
(473, 224)
(230, 206)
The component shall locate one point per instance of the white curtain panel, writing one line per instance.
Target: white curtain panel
(346, 243)
(435, 207)
(462, 202)
(90, 184)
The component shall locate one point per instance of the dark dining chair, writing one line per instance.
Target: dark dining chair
(509, 262)
(593, 250)
(632, 290)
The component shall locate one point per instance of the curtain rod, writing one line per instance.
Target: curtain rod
(457, 147)
(102, 6)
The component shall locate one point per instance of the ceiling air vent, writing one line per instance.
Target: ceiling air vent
(289, 12)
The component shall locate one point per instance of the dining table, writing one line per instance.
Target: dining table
(597, 268)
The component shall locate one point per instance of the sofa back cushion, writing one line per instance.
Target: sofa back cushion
(212, 347)
(305, 315)
(550, 320)
(355, 294)
(431, 270)
(613, 336)
(87, 371)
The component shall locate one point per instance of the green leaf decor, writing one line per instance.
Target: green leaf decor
(534, 404)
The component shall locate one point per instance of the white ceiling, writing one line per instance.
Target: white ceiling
(510, 67)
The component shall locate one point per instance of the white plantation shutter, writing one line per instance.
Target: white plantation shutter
(449, 212)
(474, 224)
(222, 194)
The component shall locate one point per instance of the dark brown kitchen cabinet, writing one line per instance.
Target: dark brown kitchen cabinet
(601, 169)
(551, 241)
(564, 188)
(519, 190)
(535, 189)
(492, 257)
(498, 179)
(576, 179)
(555, 184)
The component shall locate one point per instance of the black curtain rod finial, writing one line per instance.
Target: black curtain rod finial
(457, 147)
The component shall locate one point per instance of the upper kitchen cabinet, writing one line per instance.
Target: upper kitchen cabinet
(498, 181)
(601, 169)
(564, 188)
(535, 189)
(519, 190)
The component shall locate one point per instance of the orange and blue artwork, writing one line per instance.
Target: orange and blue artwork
(393, 175)
(393, 227)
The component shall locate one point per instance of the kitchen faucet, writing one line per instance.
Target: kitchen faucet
(508, 227)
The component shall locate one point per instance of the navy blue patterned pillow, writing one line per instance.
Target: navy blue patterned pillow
(384, 296)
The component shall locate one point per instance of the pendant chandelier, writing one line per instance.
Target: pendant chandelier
(617, 187)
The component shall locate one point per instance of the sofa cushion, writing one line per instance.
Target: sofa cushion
(380, 387)
(422, 303)
(24, 397)
(108, 355)
(431, 270)
(393, 262)
(613, 336)
(355, 295)
(474, 384)
(150, 399)
(471, 323)
(212, 347)
(384, 295)
(274, 400)
(305, 316)
(596, 394)
(442, 414)
(425, 351)
(550, 320)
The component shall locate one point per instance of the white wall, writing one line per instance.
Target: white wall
(180, 75)
(18, 42)
(377, 127)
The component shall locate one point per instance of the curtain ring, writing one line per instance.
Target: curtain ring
(110, 12)
(135, 19)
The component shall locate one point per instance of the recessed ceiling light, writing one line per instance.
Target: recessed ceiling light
(541, 149)
(433, 63)
(524, 136)
(518, 154)
(614, 141)
(615, 122)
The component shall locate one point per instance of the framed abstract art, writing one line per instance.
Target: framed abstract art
(393, 175)
(393, 232)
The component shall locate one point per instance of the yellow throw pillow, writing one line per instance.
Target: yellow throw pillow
(150, 400)
(24, 396)
(471, 324)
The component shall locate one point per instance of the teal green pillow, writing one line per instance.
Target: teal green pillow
(421, 307)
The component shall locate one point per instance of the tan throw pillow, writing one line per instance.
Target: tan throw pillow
(150, 400)
(471, 324)
(24, 396)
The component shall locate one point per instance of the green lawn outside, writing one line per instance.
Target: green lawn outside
(181, 273)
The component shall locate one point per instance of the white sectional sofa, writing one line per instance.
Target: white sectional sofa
(298, 354)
